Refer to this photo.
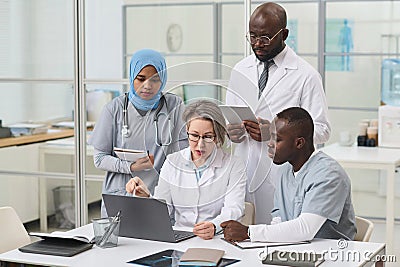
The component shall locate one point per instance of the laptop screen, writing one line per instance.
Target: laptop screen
(144, 218)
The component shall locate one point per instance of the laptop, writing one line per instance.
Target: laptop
(144, 218)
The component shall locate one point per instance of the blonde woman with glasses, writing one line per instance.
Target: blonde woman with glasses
(202, 185)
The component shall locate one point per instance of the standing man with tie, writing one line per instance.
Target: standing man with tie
(269, 81)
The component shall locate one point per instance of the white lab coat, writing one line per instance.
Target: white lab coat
(217, 196)
(293, 83)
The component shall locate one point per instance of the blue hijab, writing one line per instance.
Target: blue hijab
(139, 60)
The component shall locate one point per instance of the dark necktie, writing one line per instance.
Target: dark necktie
(262, 82)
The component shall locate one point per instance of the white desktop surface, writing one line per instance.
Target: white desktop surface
(376, 158)
(129, 249)
(364, 155)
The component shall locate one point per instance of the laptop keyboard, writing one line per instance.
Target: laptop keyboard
(179, 235)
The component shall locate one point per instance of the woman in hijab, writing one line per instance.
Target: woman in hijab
(144, 119)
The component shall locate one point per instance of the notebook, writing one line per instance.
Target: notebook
(144, 218)
(201, 257)
(129, 154)
(57, 247)
(237, 114)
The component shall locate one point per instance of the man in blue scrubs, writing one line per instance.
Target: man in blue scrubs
(313, 196)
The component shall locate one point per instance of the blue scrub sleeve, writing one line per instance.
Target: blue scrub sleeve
(327, 195)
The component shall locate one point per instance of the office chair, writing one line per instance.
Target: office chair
(249, 214)
(364, 229)
(12, 232)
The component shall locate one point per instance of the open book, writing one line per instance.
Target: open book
(237, 114)
(246, 244)
(58, 244)
(129, 154)
(65, 235)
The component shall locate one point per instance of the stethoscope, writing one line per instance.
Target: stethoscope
(125, 127)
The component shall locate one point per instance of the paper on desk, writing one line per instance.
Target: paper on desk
(70, 124)
(246, 244)
(20, 129)
(87, 238)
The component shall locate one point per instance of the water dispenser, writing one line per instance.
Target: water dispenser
(390, 86)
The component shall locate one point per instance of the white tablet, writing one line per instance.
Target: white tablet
(129, 154)
(237, 114)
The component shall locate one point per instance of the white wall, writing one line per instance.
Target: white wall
(103, 39)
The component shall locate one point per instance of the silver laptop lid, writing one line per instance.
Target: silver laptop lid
(144, 218)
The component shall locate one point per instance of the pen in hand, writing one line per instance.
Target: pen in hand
(220, 231)
(134, 190)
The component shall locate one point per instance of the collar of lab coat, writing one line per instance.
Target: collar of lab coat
(286, 59)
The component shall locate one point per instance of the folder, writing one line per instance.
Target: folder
(237, 114)
(58, 245)
(129, 154)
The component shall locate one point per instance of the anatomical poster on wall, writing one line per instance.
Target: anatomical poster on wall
(339, 38)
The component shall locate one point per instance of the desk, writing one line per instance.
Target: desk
(129, 249)
(36, 138)
(376, 158)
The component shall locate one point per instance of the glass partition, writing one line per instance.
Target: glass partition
(36, 90)
(39, 78)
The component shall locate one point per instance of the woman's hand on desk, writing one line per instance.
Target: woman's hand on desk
(144, 163)
(204, 230)
(137, 187)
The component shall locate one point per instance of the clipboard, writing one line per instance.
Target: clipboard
(237, 114)
(129, 154)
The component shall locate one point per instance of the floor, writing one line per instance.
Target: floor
(378, 236)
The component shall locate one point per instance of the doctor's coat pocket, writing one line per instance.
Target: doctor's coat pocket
(298, 206)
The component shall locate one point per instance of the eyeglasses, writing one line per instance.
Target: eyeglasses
(265, 40)
(206, 138)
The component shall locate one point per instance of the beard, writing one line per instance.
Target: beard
(267, 55)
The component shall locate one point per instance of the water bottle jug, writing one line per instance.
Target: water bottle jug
(390, 90)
